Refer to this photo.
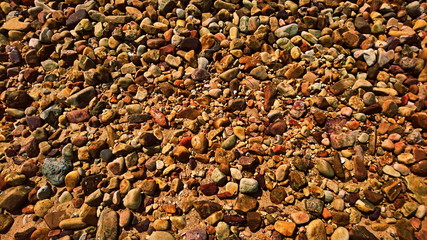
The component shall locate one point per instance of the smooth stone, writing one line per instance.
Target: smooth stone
(133, 199)
(316, 230)
(72, 224)
(325, 168)
(248, 185)
(340, 233)
(161, 235)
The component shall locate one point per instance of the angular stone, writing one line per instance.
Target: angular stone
(206, 208)
(287, 229)
(108, 225)
(82, 98)
(14, 197)
(245, 203)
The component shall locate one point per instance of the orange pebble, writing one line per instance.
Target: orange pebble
(326, 214)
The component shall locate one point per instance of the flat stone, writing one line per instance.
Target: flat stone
(245, 203)
(6, 222)
(287, 229)
(15, 24)
(206, 208)
(108, 225)
(14, 197)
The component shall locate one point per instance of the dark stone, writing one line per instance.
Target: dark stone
(419, 168)
(277, 128)
(209, 189)
(277, 195)
(337, 166)
(34, 122)
(24, 235)
(247, 162)
(191, 43)
(234, 220)
(106, 155)
(314, 206)
(238, 104)
(340, 218)
(76, 17)
(372, 109)
(404, 229)
(206, 208)
(142, 226)
(297, 180)
(361, 233)
(90, 183)
(200, 74)
(373, 197)
(17, 99)
(139, 118)
(254, 221)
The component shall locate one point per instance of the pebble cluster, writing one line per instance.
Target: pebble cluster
(213, 119)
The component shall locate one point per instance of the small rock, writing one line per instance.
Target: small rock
(133, 199)
(248, 185)
(316, 230)
(285, 228)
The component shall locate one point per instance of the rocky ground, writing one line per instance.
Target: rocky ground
(213, 119)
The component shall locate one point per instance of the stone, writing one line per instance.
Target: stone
(196, 234)
(199, 143)
(53, 218)
(419, 168)
(72, 224)
(340, 233)
(133, 199)
(6, 222)
(17, 99)
(300, 218)
(316, 230)
(314, 206)
(55, 170)
(218, 177)
(42, 207)
(108, 225)
(248, 185)
(14, 197)
(15, 24)
(340, 141)
(276, 128)
(72, 180)
(82, 98)
(287, 229)
(245, 203)
(287, 31)
(389, 108)
(209, 189)
(278, 195)
(360, 232)
(325, 168)
(254, 221)
(206, 208)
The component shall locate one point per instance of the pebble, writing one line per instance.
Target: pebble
(133, 199)
(287, 229)
(248, 185)
(340, 234)
(316, 230)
